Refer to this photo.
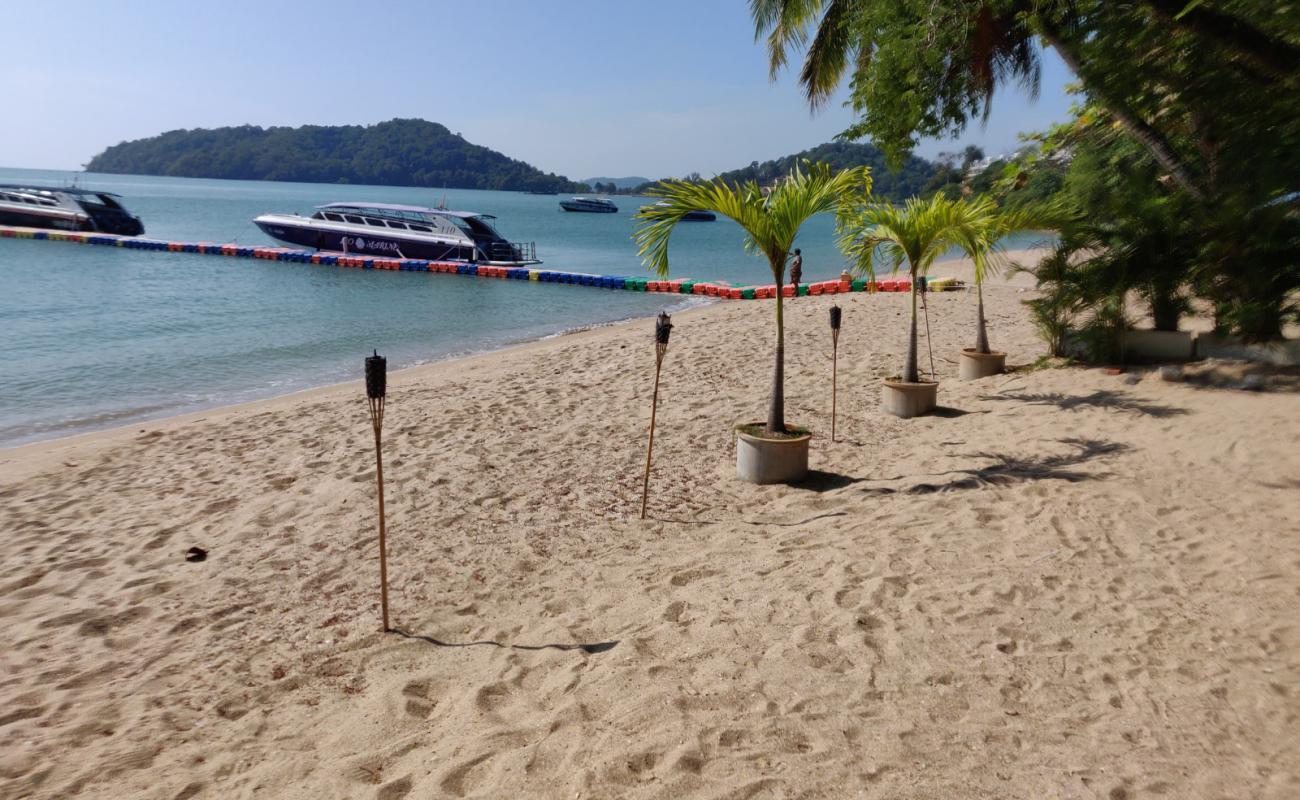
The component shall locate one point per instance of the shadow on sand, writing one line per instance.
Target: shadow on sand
(1102, 398)
(819, 481)
(948, 412)
(599, 647)
(1009, 469)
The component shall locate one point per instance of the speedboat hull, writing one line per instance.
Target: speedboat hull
(54, 219)
(371, 241)
(370, 245)
(589, 206)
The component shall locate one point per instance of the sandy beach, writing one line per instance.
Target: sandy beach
(1064, 585)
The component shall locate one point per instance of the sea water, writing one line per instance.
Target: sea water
(92, 337)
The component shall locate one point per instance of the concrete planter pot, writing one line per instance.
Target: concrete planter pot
(1145, 345)
(908, 400)
(974, 365)
(1283, 353)
(761, 460)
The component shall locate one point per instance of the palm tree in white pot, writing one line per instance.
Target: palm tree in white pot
(980, 237)
(914, 234)
(770, 452)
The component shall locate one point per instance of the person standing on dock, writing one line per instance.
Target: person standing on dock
(796, 271)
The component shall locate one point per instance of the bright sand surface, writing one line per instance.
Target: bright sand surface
(1062, 586)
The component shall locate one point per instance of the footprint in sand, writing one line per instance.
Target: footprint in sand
(419, 700)
(395, 790)
(675, 612)
(461, 780)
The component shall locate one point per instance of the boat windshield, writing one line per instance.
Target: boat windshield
(99, 202)
(477, 227)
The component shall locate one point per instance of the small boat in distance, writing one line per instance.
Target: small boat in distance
(689, 216)
(400, 231)
(595, 205)
(66, 209)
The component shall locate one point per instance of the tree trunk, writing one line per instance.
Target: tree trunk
(1166, 305)
(1153, 140)
(910, 372)
(776, 407)
(981, 332)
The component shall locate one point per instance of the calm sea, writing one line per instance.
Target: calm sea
(95, 337)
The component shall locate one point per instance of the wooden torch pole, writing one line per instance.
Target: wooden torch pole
(836, 314)
(925, 308)
(376, 380)
(663, 327)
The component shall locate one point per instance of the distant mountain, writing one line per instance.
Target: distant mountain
(620, 183)
(905, 182)
(400, 152)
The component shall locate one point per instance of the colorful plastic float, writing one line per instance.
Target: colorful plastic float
(633, 284)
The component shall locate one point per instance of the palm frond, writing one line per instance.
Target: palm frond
(985, 226)
(829, 55)
(786, 24)
(771, 222)
(916, 233)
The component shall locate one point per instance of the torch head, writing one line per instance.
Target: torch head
(376, 376)
(663, 327)
(836, 313)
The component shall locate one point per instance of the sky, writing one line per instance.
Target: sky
(577, 87)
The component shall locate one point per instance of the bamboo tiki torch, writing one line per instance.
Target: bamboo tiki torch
(663, 327)
(376, 388)
(925, 307)
(836, 314)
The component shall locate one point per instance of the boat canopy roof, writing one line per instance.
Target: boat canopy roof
(24, 187)
(409, 209)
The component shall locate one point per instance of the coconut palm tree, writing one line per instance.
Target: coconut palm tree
(771, 222)
(916, 233)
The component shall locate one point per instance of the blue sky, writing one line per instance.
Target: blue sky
(581, 88)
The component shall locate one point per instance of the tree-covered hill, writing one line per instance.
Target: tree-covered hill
(620, 184)
(400, 152)
(909, 179)
(888, 184)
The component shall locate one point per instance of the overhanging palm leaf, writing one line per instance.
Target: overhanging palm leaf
(771, 222)
(998, 47)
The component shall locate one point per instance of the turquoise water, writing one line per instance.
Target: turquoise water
(95, 337)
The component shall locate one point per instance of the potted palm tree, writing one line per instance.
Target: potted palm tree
(916, 233)
(983, 227)
(770, 452)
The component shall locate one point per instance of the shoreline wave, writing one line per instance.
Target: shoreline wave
(43, 432)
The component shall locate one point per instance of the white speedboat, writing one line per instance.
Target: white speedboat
(66, 209)
(595, 205)
(385, 229)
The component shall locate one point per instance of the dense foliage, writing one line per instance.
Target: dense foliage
(1178, 162)
(400, 152)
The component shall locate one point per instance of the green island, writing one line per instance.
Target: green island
(399, 152)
